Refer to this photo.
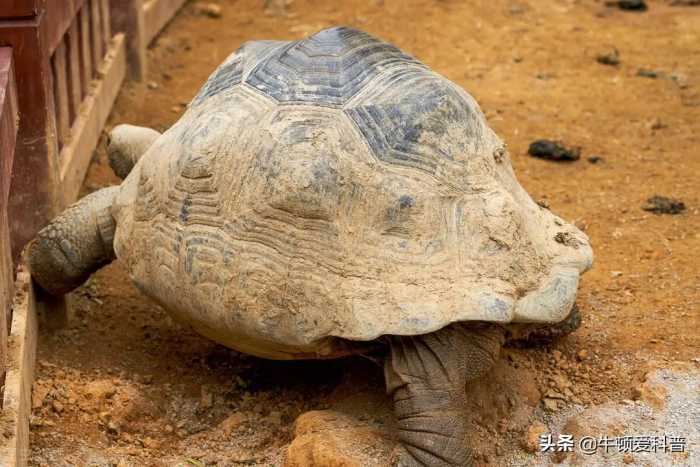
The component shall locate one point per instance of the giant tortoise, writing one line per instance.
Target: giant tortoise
(326, 197)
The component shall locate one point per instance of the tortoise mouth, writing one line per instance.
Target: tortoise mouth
(526, 335)
(553, 300)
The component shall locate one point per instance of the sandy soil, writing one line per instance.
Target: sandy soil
(125, 385)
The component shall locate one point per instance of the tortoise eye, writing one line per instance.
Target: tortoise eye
(499, 154)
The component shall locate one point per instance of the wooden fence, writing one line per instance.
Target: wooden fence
(69, 69)
(62, 63)
(17, 349)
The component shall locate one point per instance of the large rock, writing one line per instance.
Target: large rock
(324, 438)
(531, 438)
(667, 404)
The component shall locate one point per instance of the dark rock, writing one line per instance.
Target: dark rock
(594, 159)
(611, 58)
(649, 73)
(629, 5)
(663, 205)
(658, 125)
(553, 150)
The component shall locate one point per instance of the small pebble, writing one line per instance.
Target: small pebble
(112, 428)
(611, 58)
(648, 73)
(57, 406)
(211, 10)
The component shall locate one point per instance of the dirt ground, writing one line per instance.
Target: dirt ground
(125, 385)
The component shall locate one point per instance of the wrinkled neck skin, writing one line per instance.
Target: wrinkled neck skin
(123, 213)
(122, 208)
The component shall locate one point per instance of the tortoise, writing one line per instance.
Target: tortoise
(326, 197)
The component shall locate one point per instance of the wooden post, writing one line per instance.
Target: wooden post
(106, 23)
(85, 52)
(96, 32)
(8, 138)
(157, 14)
(74, 78)
(35, 192)
(87, 127)
(60, 86)
(127, 17)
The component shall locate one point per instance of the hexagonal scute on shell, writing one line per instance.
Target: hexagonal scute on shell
(321, 193)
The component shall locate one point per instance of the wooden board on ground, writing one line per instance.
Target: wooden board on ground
(142, 21)
(127, 17)
(157, 13)
(14, 418)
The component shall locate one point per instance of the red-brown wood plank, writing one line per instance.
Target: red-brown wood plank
(61, 14)
(60, 88)
(75, 156)
(35, 192)
(8, 138)
(8, 122)
(74, 79)
(127, 16)
(20, 8)
(96, 32)
(85, 48)
(6, 287)
(105, 22)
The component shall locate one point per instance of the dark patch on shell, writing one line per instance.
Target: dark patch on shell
(327, 68)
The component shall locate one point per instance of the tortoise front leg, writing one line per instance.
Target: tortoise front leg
(125, 146)
(75, 244)
(427, 375)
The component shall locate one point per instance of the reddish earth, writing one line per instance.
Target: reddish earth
(125, 385)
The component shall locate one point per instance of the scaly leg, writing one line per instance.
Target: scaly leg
(75, 244)
(427, 375)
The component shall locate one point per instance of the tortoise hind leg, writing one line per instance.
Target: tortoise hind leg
(125, 146)
(75, 244)
(426, 376)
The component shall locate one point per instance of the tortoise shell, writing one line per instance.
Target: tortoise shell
(331, 190)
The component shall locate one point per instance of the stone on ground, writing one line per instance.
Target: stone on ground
(324, 438)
